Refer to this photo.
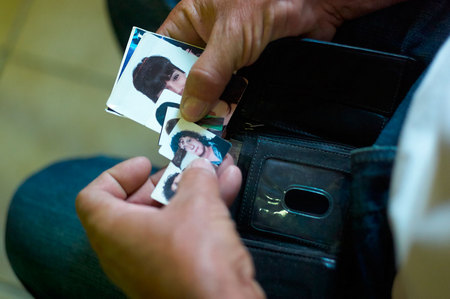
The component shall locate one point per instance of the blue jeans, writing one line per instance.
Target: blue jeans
(371, 252)
(47, 246)
(45, 242)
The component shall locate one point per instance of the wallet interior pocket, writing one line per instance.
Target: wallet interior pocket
(296, 190)
(286, 272)
(291, 213)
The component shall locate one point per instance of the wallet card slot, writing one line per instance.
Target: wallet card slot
(276, 169)
(332, 91)
(293, 272)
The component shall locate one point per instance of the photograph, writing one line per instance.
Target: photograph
(167, 185)
(155, 65)
(173, 115)
(183, 158)
(136, 36)
(196, 140)
(167, 100)
(229, 99)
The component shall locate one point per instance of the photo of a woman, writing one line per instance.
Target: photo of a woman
(155, 73)
(201, 146)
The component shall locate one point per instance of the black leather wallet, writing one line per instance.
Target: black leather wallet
(308, 104)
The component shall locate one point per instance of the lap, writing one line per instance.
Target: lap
(45, 242)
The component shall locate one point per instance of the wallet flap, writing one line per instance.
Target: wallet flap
(332, 91)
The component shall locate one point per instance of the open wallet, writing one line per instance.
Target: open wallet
(307, 106)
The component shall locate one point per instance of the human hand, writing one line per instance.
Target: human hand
(188, 248)
(235, 33)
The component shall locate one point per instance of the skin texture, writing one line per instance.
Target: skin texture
(235, 33)
(188, 249)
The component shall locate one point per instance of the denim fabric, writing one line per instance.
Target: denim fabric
(371, 256)
(414, 28)
(419, 35)
(46, 244)
(391, 132)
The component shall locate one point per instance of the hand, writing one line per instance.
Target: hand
(188, 248)
(235, 33)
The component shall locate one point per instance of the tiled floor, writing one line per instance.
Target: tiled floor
(58, 61)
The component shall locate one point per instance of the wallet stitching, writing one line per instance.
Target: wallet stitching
(246, 207)
(296, 160)
(302, 240)
(284, 253)
(248, 204)
(314, 149)
(333, 146)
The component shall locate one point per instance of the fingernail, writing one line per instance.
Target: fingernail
(193, 109)
(202, 163)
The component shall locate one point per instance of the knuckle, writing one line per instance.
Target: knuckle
(81, 201)
(86, 206)
(207, 74)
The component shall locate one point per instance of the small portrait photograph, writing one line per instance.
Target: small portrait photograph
(153, 74)
(173, 115)
(134, 39)
(155, 65)
(183, 158)
(229, 99)
(220, 114)
(196, 140)
(168, 101)
(167, 185)
(136, 36)
(218, 117)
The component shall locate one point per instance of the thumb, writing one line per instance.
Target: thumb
(199, 182)
(207, 79)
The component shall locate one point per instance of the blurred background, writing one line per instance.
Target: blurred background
(58, 63)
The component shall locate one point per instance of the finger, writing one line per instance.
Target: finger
(209, 75)
(157, 176)
(124, 178)
(142, 195)
(226, 162)
(116, 183)
(229, 184)
(205, 83)
(178, 25)
(199, 181)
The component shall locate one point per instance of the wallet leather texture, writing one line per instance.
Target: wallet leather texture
(336, 92)
(308, 104)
